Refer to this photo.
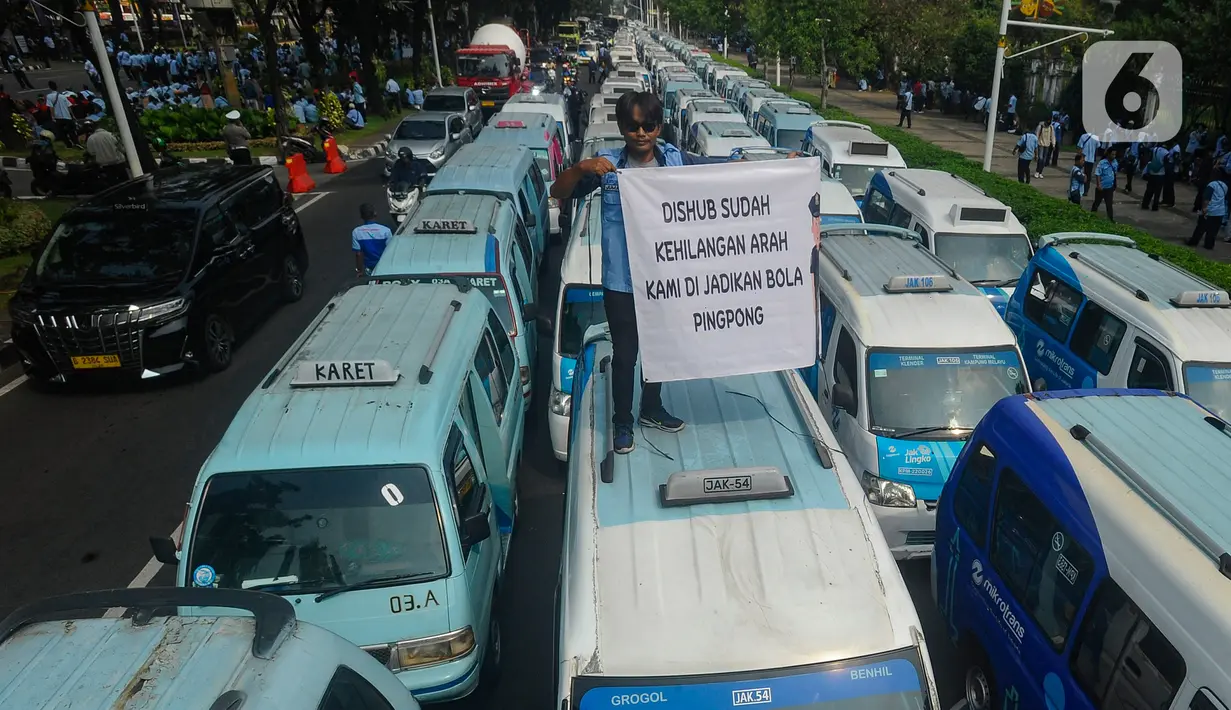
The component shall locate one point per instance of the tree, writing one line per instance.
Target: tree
(263, 15)
(908, 35)
(306, 15)
(973, 55)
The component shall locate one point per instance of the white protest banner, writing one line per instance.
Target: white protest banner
(720, 257)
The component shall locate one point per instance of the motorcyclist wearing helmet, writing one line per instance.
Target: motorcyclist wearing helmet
(406, 171)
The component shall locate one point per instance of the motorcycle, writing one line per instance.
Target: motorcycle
(306, 145)
(403, 199)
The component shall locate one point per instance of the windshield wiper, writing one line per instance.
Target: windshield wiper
(930, 429)
(998, 283)
(286, 583)
(370, 583)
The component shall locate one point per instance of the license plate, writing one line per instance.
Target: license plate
(488, 103)
(94, 362)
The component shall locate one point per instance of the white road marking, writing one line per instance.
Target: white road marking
(299, 207)
(143, 578)
(13, 385)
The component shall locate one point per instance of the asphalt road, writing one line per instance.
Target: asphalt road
(89, 476)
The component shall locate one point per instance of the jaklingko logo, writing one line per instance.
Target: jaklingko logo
(1109, 87)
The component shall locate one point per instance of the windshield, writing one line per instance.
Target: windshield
(791, 139)
(950, 389)
(444, 102)
(420, 131)
(582, 308)
(119, 245)
(888, 682)
(491, 285)
(1210, 386)
(492, 66)
(539, 55)
(855, 177)
(594, 145)
(313, 530)
(985, 257)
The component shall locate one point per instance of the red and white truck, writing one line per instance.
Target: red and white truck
(494, 64)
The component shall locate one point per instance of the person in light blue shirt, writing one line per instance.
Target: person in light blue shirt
(311, 114)
(1025, 150)
(368, 240)
(1077, 178)
(1088, 144)
(1013, 114)
(298, 110)
(1213, 210)
(354, 118)
(1105, 174)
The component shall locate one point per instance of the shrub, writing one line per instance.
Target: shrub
(22, 225)
(187, 124)
(331, 110)
(1041, 214)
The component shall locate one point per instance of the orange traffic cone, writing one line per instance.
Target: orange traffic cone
(333, 161)
(298, 170)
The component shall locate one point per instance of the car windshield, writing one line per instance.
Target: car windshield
(540, 55)
(312, 530)
(492, 66)
(855, 177)
(119, 244)
(888, 682)
(582, 308)
(950, 389)
(983, 258)
(790, 139)
(420, 131)
(444, 102)
(1210, 385)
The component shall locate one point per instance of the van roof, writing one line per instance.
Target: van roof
(420, 247)
(726, 129)
(855, 268)
(841, 136)
(482, 168)
(284, 426)
(1115, 274)
(706, 588)
(948, 203)
(836, 199)
(548, 99)
(582, 262)
(1175, 455)
(795, 118)
(536, 130)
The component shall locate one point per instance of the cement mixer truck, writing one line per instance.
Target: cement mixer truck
(494, 64)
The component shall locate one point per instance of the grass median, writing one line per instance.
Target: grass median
(1041, 214)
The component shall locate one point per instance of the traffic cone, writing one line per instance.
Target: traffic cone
(298, 170)
(333, 160)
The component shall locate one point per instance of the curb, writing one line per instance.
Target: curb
(370, 151)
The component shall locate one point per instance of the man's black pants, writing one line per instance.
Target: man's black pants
(904, 117)
(1023, 170)
(1207, 229)
(622, 322)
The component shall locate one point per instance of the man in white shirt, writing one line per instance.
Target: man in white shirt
(393, 94)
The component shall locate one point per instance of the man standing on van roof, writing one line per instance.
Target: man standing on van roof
(639, 116)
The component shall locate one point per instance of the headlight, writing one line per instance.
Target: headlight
(438, 153)
(561, 403)
(417, 653)
(890, 494)
(162, 310)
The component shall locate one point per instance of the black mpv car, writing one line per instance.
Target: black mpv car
(159, 273)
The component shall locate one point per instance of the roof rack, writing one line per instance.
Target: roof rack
(910, 183)
(846, 124)
(968, 183)
(1160, 502)
(425, 371)
(1091, 237)
(1110, 276)
(274, 615)
(867, 230)
(491, 222)
(303, 338)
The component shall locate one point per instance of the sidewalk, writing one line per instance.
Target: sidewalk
(1173, 224)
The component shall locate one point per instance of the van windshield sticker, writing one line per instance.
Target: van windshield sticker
(880, 362)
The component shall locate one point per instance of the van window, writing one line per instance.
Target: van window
(523, 242)
(876, 207)
(540, 187)
(256, 203)
(526, 212)
(973, 496)
(1206, 700)
(1149, 369)
(462, 474)
(828, 313)
(922, 231)
(465, 407)
(846, 367)
(1051, 304)
(900, 217)
(503, 346)
(217, 228)
(494, 379)
(1097, 337)
(350, 691)
(1044, 568)
(1121, 659)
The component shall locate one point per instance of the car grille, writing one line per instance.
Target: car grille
(493, 92)
(65, 336)
(380, 653)
(921, 537)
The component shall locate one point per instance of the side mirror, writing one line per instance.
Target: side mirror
(476, 529)
(544, 321)
(531, 221)
(1040, 385)
(165, 550)
(530, 312)
(457, 136)
(842, 397)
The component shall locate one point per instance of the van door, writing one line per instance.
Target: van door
(528, 326)
(1143, 364)
(493, 388)
(256, 211)
(521, 238)
(1050, 307)
(471, 496)
(922, 231)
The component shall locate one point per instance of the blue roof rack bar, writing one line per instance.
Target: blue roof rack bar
(425, 372)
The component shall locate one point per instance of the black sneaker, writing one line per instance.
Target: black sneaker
(622, 439)
(662, 420)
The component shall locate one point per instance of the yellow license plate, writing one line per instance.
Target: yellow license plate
(489, 103)
(93, 362)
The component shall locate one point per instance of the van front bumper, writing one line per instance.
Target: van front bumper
(910, 532)
(446, 681)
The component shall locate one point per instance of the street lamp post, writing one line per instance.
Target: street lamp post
(431, 21)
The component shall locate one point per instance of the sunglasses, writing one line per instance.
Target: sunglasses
(647, 126)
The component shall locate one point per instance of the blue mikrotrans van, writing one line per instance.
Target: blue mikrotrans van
(1093, 310)
(478, 239)
(510, 172)
(371, 480)
(1082, 555)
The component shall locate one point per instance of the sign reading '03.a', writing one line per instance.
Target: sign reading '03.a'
(720, 257)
